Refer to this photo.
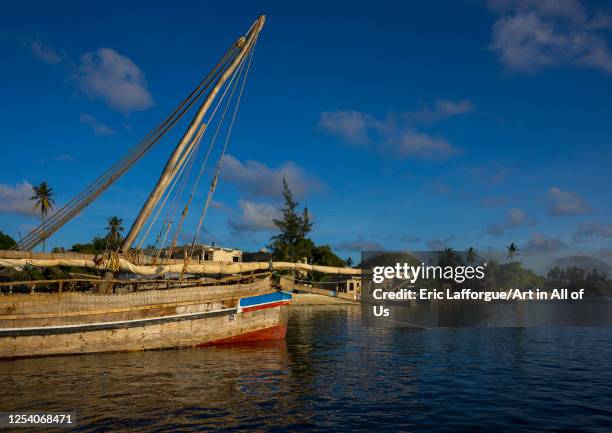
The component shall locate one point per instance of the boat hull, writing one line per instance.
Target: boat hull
(146, 327)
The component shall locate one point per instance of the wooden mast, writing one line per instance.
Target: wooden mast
(184, 145)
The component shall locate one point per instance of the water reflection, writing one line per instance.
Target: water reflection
(335, 374)
(161, 388)
(592, 311)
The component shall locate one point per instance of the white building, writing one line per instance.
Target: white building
(210, 253)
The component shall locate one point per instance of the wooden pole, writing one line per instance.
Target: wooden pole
(168, 172)
(183, 146)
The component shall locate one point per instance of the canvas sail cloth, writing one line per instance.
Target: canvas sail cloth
(210, 268)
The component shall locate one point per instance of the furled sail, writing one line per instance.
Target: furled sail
(195, 267)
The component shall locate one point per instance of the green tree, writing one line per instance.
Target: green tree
(96, 246)
(291, 243)
(471, 255)
(6, 242)
(448, 257)
(43, 199)
(323, 255)
(114, 228)
(306, 222)
(513, 276)
(513, 250)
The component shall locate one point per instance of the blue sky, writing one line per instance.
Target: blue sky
(400, 125)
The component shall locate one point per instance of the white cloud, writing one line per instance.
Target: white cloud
(16, 199)
(45, 52)
(442, 110)
(539, 243)
(408, 142)
(533, 35)
(98, 127)
(257, 179)
(103, 74)
(567, 203)
(396, 135)
(351, 126)
(220, 206)
(114, 78)
(587, 231)
(514, 218)
(254, 217)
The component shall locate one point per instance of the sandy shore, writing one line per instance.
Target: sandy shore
(312, 299)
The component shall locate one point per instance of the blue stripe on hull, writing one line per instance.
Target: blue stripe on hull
(268, 298)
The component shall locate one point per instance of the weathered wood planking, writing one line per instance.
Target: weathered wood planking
(77, 323)
(172, 334)
(70, 302)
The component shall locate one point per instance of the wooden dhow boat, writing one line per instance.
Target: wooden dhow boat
(139, 299)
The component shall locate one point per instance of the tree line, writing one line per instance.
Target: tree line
(293, 244)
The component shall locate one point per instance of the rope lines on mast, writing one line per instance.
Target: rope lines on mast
(231, 94)
(169, 218)
(104, 181)
(167, 195)
(187, 160)
(166, 176)
(203, 166)
(213, 185)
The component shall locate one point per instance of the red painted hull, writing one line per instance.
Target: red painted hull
(273, 333)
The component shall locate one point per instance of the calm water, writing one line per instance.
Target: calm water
(333, 374)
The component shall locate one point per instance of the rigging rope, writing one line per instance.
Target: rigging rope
(191, 151)
(210, 147)
(213, 185)
(100, 184)
(185, 160)
(182, 161)
(187, 257)
(178, 171)
(169, 218)
(197, 182)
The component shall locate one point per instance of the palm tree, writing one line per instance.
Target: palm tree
(513, 250)
(42, 199)
(447, 257)
(449, 253)
(114, 228)
(471, 255)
